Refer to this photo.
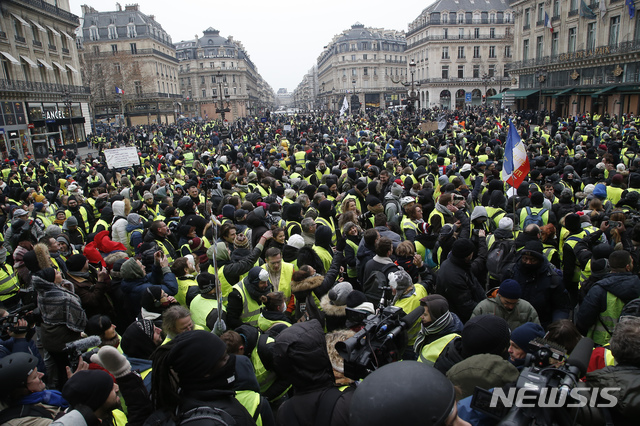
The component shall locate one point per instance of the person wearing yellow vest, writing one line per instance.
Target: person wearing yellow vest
(280, 272)
(207, 376)
(273, 314)
(206, 301)
(93, 395)
(247, 297)
(9, 286)
(407, 296)
(325, 218)
(438, 327)
(234, 267)
(185, 270)
(611, 293)
(322, 246)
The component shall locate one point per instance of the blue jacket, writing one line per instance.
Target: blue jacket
(158, 276)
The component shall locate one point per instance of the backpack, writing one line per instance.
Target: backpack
(534, 218)
(501, 255)
(376, 280)
(492, 220)
(397, 216)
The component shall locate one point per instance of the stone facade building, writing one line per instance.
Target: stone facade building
(364, 64)
(43, 103)
(462, 50)
(588, 63)
(213, 68)
(129, 50)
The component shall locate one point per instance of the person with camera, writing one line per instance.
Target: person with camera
(135, 280)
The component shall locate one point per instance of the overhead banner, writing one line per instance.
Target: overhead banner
(120, 158)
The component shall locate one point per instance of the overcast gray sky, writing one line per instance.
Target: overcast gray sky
(282, 37)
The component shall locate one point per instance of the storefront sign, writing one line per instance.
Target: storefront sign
(30, 125)
(54, 115)
(583, 54)
(13, 134)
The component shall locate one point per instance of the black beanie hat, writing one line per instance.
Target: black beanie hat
(485, 334)
(47, 274)
(88, 387)
(355, 298)
(150, 298)
(76, 262)
(137, 339)
(193, 356)
(462, 248)
(572, 222)
(30, 260)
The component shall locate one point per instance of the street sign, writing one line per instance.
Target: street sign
(263, 120)
(467, 97)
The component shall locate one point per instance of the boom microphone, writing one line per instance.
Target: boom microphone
(406, 322)
(82, 345)
(581, 355)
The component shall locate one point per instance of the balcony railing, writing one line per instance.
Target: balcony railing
(3, 34)
(478, 80)
(526, 27)
(53, 47)
(456, 22)
(65, 50)
(137, 52)
(573, 13)
(34, 86)
(50, 8)
(20, 39)
(37, 43)
(540, 23)
(459, 37)
(598, 52)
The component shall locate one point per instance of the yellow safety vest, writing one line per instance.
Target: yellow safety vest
(250, 307)
(325, 222)
(430, 353)
(286, 272)
(200, 308)
(325, 257)
(408, 304)
(183, 287)
(9, 286)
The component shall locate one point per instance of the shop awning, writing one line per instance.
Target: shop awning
(72, 68)
(67, 35)
(603, 91)
(13, 60)
(518, 94)
(40, 27)
(55, 33)
(563, 92)
(29, 61)
(496, 97)
(60, 67)
(46, 65)
(21, 19)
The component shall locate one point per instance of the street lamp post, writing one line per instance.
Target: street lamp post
(486, 79)
(413, 96)
(541, 76)
(354, 98)
(220, 107)
(68, 102)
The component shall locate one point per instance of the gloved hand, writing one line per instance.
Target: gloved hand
(114, 361)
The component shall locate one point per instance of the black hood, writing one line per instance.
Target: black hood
(300, 356)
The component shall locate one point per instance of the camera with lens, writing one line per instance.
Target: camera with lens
(9, 323)
(545, 378)
(381, 341)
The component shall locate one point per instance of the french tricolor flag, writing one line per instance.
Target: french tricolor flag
(547, 22)
(516, 164)
(119, 91)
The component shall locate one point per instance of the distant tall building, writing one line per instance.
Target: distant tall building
(462, 50)
(43, 103)
(283, 98)
(130, 64)
(214, 67)
(362, 62)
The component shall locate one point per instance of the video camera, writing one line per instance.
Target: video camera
(543, 381)
(78, 347)
(382, 341)
(10, 322)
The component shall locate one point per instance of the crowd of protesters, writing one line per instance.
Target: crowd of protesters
(220, 272)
